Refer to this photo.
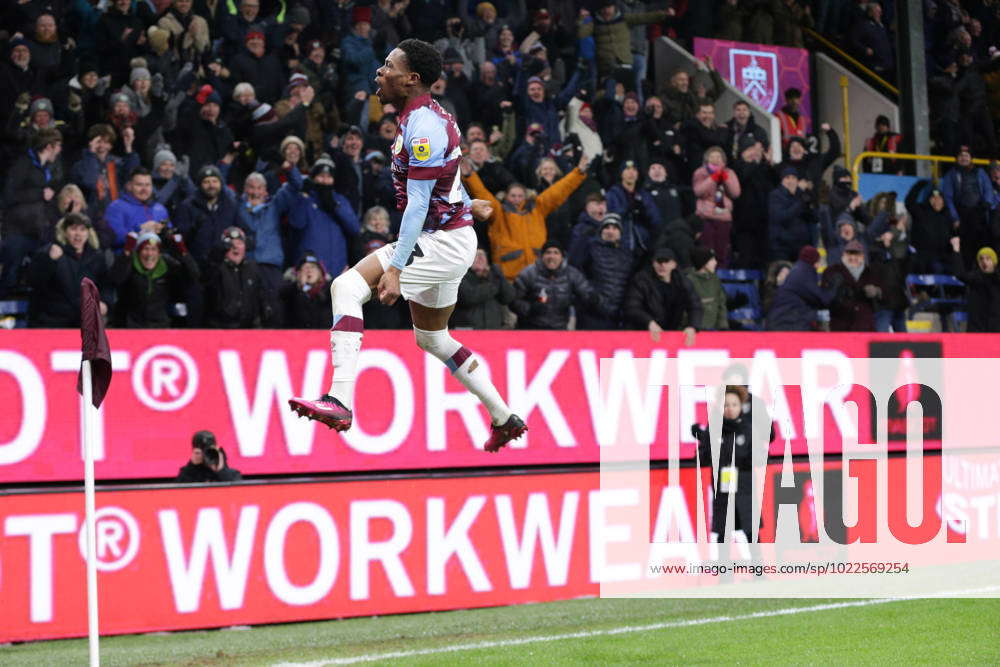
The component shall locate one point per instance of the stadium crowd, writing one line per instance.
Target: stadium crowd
(215, 162)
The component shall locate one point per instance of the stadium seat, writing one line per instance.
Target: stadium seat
(749, 319)
(944, 290)
(13, 314)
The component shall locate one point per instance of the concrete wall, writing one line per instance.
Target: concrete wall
(865, 104)
(669, 56)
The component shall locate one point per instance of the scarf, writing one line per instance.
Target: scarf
(151, 275)
(855, 271)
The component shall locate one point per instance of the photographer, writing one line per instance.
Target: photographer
(208, 462)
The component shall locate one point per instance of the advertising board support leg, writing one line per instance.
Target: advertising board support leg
(89, 424)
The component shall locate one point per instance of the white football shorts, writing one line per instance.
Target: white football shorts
(439, 261)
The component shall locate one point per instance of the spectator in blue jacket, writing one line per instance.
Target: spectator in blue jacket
(136, 210)
(534, 106)
(970, 197)
(358, 55)
(100, 174)
(261, 216)
(800, 296)
(641, 220)
(790, 220)
(202, 217)
(323, 219)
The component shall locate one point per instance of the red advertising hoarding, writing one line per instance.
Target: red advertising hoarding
(410, 412)
(174, 558)
(186, 558)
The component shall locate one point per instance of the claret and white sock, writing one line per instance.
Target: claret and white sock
(348, 293)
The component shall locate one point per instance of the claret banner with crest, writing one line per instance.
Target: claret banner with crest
(762, 72)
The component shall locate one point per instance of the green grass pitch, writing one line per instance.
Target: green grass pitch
(733, 631)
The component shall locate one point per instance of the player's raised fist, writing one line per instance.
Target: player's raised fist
(481, 209)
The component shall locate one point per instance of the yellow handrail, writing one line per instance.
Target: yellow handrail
(934, 159)
(846, 114)
(843, 54)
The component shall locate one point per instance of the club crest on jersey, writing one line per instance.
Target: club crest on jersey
(421, 148)
(398, 145)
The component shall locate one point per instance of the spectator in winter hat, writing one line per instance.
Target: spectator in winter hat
(121, 36)
(858, 290)
(661, 299)
(546, 290)
(57, 269)
(259, 68)
(306, 297)
(323, 220)
(202, 217)
(201, 134)
(148, 280)
(708, 288)
(171, 187)
(235, 294)
(790, 218)
(984, 292)
(19, 78)
(608, 266)
(357, 54)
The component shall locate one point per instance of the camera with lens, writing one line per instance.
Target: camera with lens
(205, 441)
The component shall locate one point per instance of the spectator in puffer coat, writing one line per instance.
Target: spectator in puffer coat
(790, 219)
(858, 290)
(517, 227)
(798, 298)
(661, 299)
(608, 266)
(610, 30)
(546, 290)
(234, 291)
(715, 187)
(757, 180)
(57, 269)
(482, 294)
(708, 288)
(323, 220)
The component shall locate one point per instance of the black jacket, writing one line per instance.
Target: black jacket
(983, 301)
(672, 305)
(55, 296)
(235, 296)
(481, 300)
(306, 309)
(144, 302)
(264, 74)
(196, 474)
(791, 223)
(733, 136)
(796, 301)
(203, 142)
(544, 297)
(202, 228)
(931, 231)
(27, 211)
(608, 267)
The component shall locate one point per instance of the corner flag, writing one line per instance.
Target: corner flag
(95, 342)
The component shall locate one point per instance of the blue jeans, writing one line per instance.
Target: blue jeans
(884, 319)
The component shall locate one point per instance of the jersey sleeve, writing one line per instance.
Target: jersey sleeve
(426, 141)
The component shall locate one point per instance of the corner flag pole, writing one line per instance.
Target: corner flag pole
(92, 383)
(89, 422)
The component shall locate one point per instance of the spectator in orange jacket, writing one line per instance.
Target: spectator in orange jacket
(716, 186)
(517, 227)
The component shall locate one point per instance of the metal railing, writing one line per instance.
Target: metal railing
(933, 159)
(852, 60)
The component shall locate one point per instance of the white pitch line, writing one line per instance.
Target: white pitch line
(628, 629)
